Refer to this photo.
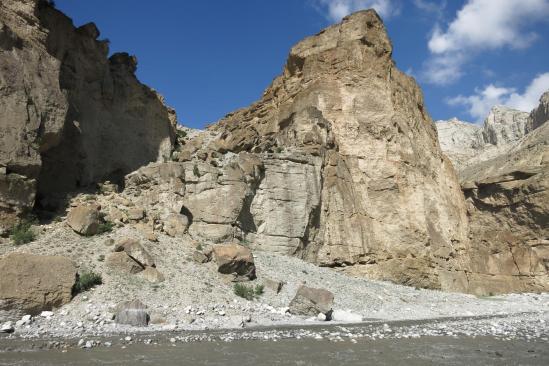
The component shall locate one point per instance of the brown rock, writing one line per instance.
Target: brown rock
(136, 213)
(176, 225)
(152, 275)
(312, 301)
(135, 250)
(31, 283)
(122, 262)
(85, 220)
(234, 259)
(273, 285)
(200, 257)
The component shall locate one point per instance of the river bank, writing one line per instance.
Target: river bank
(518, 339)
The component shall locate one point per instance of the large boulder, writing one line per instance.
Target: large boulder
(85, 219)
(132, 313)
(234, 259)
(312, 301)
(30, 284)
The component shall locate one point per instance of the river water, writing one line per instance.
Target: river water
(420, 351)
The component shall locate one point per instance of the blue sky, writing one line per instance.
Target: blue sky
(210, 57)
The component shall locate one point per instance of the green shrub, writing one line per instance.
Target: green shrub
(196, 172)
(199, 247)
(105, 227)
(22, 233)
(86, 281)
(181, 134)
(259, 289)
(248, 292)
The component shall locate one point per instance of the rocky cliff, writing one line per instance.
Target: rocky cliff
(508, 206)
(338, 163)
(70, 115)
(468, 144)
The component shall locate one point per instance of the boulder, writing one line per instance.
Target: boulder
(85, 220)
(234, 259)
(311, 302)
(201, 257)
(152, 275)
(132, 313)
(122, 262)
(176, 225)
(136, 213)
(30, 284)
(135, 250)
(273, 285)
(7, 327)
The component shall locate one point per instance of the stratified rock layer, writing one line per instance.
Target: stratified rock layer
(69, 115)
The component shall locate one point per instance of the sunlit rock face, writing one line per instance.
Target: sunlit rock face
(339, 164)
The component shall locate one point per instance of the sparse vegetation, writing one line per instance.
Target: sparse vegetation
(101, 258)
(196, 172)
(22, 233)
(199, 247)
(258, 290)
(248, 292)
(279, 149)
(181, 134)
(86, 281)
(105, 227)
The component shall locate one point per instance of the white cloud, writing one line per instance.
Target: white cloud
(431, 6)
(482, 25)
(479, 104)
(335, 10)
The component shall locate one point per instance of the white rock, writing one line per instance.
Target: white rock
(7, 327)
(321, 317)
(46, 314)
(346, 316)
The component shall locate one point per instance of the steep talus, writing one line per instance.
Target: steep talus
(351, 174)
(70, 116)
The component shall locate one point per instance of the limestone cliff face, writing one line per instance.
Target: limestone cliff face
(69, 115)
(338, 163)
(467, 144)
(508, 205)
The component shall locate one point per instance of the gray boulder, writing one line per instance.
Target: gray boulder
(132, 313)
(312, 301)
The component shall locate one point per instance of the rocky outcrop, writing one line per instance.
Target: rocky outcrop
(70, 115)
(508, 206)
(338, 164)
(468, 144)
(30, 284)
